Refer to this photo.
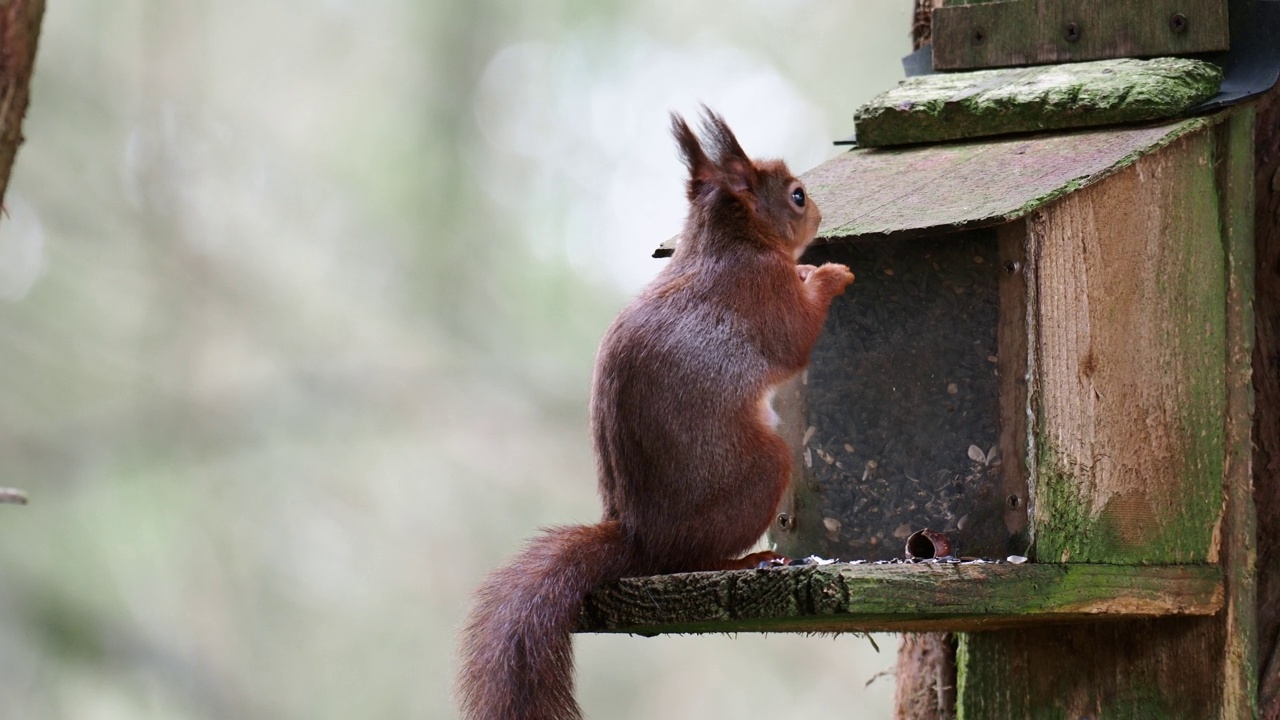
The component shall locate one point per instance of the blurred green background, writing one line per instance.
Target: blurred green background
(298, 304)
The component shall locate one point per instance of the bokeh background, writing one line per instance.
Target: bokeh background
(298, 304)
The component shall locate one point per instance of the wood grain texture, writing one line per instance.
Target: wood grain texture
(1129, 382)
(904, 192)
(951, 106)
(926, 677)
(19, 34)
(1233, 163)
(847, 598)
(1151, 265)
(1266, 384)
(1034, 32)
(1012, 363)
(1157, 669)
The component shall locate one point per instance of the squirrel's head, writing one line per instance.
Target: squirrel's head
(760, 201)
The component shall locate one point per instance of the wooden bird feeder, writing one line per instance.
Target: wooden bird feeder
(1045, 353)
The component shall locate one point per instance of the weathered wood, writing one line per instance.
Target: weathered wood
(846, 598)
(1033, 32)
(926, 677)
(1158, 669)
(1011, 368)
(1129, 382)
(951, 106)
(1266, 383)
(1233, 162)
(1137, 395)
(936, 188)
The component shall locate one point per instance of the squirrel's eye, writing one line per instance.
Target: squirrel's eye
(797, 196)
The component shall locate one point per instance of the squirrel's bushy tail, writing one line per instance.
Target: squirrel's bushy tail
(516, 651)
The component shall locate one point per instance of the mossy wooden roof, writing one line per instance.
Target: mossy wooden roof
(951, 186)
(951, 106)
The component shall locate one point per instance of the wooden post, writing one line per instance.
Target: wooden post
(1266, 381)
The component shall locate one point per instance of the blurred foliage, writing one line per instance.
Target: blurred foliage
(298, 302)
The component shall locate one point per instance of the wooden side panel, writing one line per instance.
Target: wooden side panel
(1183, 375)
(1130, 378)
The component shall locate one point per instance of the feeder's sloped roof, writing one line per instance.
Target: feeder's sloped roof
(929, 189)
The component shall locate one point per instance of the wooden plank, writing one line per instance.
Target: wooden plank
(845, 598)
(951, 106)
(1034, 32)
(1234, 165)
(1266, 384)
(1166, 669)
(1166, 235)
(1129, 381)
(1011, 367)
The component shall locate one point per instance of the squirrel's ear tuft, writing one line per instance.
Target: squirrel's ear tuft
(734, 165)
(700, 168)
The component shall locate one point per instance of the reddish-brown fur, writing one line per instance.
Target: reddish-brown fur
(690, 469)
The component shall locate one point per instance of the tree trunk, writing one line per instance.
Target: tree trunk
(928, 691)
(19, 31)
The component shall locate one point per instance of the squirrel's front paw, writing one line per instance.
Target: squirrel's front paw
(834, 276)
(804, 271)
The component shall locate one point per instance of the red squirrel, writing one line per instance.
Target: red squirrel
(690, 467)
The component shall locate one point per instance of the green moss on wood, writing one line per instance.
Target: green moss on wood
(1155, 318)
(950, 106)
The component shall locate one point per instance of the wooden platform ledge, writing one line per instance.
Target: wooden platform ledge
(919, 597)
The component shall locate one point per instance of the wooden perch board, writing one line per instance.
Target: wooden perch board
(899, 597)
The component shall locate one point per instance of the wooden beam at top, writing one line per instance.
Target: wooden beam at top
(1037, 32)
